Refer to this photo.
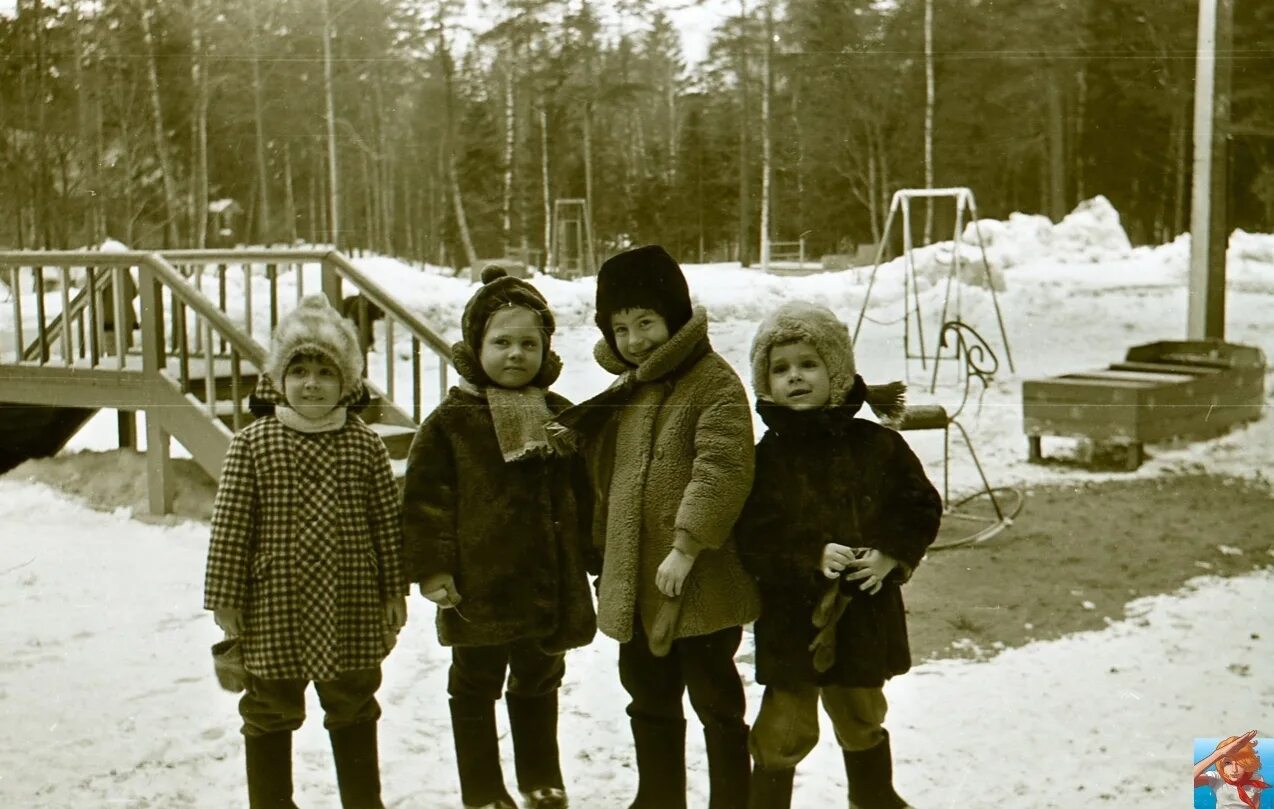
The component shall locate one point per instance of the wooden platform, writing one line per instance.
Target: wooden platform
(1161, 391)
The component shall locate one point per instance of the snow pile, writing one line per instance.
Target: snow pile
(1090, 234)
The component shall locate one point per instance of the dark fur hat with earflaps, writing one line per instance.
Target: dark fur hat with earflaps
(801, 321)
(500, 290)
(642, 278)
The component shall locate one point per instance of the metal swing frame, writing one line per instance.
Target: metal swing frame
(981, 364)
(900, 204)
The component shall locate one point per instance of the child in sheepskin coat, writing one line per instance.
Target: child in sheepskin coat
(840, 514)
(305, 560)
(495, 535)
(670, 447)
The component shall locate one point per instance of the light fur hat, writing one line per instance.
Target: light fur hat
(314, 327)
(801, 321)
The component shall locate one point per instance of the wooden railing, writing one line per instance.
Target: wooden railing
(370, 302)
(94, 328)
(173, 324)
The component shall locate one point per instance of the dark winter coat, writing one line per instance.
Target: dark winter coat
(306, 541)
(681, 463)
(511, 534)
(824, 476)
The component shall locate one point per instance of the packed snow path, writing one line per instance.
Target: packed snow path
(109, 698)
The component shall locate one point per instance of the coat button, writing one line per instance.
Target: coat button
(659, 452)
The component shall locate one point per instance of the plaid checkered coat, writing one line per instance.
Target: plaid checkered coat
(306, 540)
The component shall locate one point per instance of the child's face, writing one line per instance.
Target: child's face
(512, 347)
(798, 377)
(312, 386)
(638, 332)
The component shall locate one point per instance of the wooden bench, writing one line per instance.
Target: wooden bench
(1161, 391)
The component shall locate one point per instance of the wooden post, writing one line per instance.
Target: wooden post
(159, 479)
(127, 420)
(158, 466)
(1209, 220)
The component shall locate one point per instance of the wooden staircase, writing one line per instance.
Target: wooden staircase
(190, 349)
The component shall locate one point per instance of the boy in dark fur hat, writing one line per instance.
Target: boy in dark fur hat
(839, 516)
(495, 535)
(304, 564)
(671, 447)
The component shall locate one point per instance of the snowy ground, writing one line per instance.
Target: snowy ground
(107, 691)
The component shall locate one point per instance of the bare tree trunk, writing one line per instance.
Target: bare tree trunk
(171, 203)
(199, 79)
(745, 205)
(289, 199)
(314, 208)
(40, 195)
(873, 190)
(1077, 136)
(448, 155)
(544, 183)
(929, 104)
(1181, 161)
(767, 145)
(263, 229)
(1056, 152)
(333, 187)
(510, 149)
(384, 185)
(588, 161)
(88, 157)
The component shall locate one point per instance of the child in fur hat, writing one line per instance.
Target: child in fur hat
(671, 449)
(495, 536)
(840, 514)
(304, 564)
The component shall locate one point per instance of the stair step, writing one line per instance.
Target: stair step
(397, 439)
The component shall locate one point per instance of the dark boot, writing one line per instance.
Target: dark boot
(477, 752)
(729, 766)
(871, 778)
(269, 770)
(661, 763)
(533, 725)
(357, 765)
(771, 789)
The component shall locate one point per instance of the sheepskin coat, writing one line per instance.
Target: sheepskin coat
(680, 469)
(306, 541)
(512, 534)
(825, 476)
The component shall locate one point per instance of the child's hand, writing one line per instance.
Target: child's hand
(835, 559)
(440, 588)
(671, 576)
(871, 569)
(396, 613)
(230, 619)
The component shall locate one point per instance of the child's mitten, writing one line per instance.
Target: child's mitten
(665, 626)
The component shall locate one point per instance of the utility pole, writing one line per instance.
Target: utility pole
(1209, 209)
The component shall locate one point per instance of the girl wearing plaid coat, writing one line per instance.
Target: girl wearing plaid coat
(305, 559)
(495, 533)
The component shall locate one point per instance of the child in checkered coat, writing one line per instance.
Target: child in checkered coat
(305, 564)
(495, 534)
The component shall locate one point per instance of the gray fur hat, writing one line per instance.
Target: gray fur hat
(314, 327)
(797, 321)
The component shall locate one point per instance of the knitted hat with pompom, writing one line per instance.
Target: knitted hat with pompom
(801, 321)
(315, 328)
(500, 290)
